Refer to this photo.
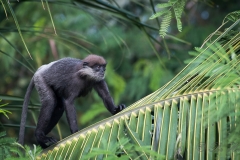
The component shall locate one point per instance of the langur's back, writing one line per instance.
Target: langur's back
(60, 71)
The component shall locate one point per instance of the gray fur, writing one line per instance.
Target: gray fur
(58, 84)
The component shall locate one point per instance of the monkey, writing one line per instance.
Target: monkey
(58, 84)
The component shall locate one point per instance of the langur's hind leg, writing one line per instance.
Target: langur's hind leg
(48, 101)
(57, 114)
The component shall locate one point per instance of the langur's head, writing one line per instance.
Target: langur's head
(94, 67)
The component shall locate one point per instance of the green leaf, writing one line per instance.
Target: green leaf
(158, 14)
(164, 5)
(179, 25)
(49, 11)
(165, 24)
(233, 16)
(18, 27)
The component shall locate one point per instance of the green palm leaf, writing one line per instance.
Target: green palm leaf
(189, 117)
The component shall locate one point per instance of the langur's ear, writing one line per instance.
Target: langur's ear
(85, 64)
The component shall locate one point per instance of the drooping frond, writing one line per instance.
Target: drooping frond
(18, 27)
(50, 14)
(17, 24)
(233, 16)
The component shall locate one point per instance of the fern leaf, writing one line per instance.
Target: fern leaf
(176, 6)
(179, 24)
(164, 5)
(158, 14)
(165, 24)
(178, 10)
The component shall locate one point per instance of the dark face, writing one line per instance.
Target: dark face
(99, 70)
(94, 72)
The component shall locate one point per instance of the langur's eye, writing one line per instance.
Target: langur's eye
(98, 67)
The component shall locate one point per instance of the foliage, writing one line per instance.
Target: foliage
(167, 10)
(3, 111)
(117, 43)
(188, 118)
(24, 152)
(118, 30)
(5, 145)
(10, 149)
(233, 16)
(118, 149)
(17, 25)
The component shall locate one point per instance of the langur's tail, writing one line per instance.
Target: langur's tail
(24, 112)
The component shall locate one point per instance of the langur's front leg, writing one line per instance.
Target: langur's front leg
(71, 114)
(103, 92)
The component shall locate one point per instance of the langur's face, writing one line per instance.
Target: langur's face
(95, 72)
(94, 68)
(99, 70)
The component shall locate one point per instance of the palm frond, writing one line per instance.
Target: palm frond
(233, 16)
(4, 8)
(18, 27)
(49, 12)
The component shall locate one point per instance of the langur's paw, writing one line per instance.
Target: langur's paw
(120, 108)
(49, 141)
